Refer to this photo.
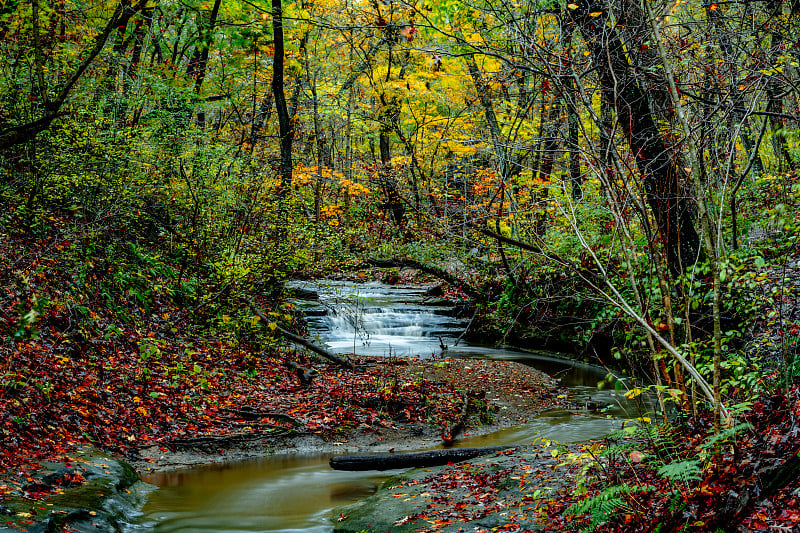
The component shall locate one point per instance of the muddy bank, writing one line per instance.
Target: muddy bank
(512, 393)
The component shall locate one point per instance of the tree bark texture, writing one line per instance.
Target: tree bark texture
(284, 121)
(660, 173)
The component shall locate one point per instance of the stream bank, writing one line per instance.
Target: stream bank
(502, 490)
(513, 392)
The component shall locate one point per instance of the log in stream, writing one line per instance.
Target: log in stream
(411, 460)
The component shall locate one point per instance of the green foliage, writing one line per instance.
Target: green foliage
(724, 437)
(608, 503)
(682, 471)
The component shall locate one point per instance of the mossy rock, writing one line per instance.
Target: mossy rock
(412, 500)
(111, 491)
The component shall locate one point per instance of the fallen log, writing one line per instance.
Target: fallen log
(440, 273)
(297, 339)
(411, 460)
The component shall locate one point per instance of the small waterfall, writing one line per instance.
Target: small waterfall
(378, 319)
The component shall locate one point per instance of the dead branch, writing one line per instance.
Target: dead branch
(303, 342)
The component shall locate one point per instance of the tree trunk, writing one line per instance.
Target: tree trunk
(284, 121)
(491, 119)
(389, 116)
(659, 171)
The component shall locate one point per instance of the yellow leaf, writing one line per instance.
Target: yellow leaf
(633, 393)
(272, 326)
(595, 13)
(572, 6)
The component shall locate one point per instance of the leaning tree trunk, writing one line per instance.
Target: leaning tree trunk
(660, 173)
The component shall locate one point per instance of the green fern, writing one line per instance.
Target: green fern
(725, 435)
(658, 437)
(606, 504)
(681, 470)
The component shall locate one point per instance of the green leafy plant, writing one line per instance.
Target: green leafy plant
(609, 502)
(683, 471)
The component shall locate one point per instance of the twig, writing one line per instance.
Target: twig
(471, 320)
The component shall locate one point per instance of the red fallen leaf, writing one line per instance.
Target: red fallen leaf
(789, 515)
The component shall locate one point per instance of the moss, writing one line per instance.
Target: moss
(90, 495)
(75, 506)
(394, 481)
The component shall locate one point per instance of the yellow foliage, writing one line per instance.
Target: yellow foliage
(353, 188)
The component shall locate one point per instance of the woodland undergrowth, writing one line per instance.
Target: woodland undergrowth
(104, 345)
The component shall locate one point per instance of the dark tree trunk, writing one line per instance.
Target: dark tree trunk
(660, 173)
(390, 115)
(284, 121)
(197, 65)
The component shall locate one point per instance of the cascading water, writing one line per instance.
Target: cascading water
(377, 319)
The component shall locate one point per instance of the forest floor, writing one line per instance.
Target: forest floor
(143, 384)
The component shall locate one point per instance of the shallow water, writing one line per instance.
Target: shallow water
(286, 493)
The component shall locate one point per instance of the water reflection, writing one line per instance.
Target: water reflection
(282, 493)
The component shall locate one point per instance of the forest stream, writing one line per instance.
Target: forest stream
(285, 493)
